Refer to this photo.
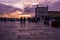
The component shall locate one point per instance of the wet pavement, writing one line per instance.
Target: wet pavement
(28, 31)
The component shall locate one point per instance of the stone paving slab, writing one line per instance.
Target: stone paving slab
(28, 31)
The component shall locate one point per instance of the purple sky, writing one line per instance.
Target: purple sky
(10, 8)
(53, 4)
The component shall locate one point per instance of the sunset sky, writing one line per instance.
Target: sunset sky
(27, 6)
(28, 3)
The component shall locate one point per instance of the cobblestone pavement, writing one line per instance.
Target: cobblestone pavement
(28, 31)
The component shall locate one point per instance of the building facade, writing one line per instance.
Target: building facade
(41, 11)
(54, 13)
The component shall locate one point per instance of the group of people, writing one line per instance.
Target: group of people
(33, 19)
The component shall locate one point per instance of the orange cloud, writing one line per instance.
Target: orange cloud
(16, 14)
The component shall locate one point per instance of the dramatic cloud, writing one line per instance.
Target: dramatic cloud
(29, 3)
(12, 7)
(7, 9)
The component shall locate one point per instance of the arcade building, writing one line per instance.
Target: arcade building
(41, 11)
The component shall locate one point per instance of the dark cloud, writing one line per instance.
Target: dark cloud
(55, 6)
(56, 3)
(29, 10)
(7, 9)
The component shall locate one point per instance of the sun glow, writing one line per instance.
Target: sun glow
(25, 16)
(16, 15)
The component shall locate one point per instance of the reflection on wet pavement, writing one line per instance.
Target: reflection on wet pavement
(28, 31)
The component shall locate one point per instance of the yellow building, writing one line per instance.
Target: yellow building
(54, 13)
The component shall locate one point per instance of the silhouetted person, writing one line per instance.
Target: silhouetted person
(46, 21)
(0, 18)
(21, 19)
(24, 19)
(38, 19)
(42, 17)
(29, 20)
